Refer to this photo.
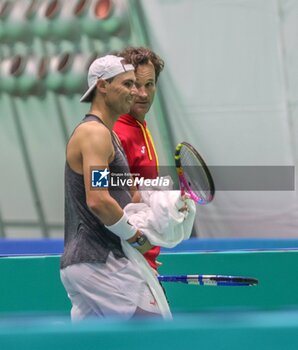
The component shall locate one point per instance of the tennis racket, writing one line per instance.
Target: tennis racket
(211, 280)
(195, 179)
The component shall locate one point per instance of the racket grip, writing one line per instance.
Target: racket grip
(181, 279)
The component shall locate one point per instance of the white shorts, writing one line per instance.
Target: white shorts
(112, 289)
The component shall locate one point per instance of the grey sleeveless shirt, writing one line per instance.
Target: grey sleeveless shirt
(86, 239)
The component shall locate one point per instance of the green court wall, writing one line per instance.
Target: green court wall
(32, 284)
(34, 309)
(245, 331)
(276, 271)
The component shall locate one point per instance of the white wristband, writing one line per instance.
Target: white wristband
(122, 228)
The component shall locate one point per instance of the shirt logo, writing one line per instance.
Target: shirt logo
(143, 149)
(100, 178)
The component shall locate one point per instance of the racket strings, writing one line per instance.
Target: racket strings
(194, 173)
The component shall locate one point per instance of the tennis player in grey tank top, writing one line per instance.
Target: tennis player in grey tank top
(86, 237)
(100, 281)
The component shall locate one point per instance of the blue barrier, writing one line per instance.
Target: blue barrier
(220, 244)
(11, 247)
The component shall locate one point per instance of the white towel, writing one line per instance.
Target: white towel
(159, 218)
(150, 277)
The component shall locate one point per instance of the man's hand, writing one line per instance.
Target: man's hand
(136, 198)
(140, 242)
(145, 247)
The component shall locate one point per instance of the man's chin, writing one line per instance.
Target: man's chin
(139, 113)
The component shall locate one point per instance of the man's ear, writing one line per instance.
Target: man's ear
(101, 85)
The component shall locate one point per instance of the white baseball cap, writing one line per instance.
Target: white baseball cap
(105, 67)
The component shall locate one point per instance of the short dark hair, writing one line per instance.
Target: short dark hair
(142, 55)
(93, 92)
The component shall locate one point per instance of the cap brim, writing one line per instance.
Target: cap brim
(87, 95)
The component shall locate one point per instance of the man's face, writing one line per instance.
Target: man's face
(120, 93)
(145, 84)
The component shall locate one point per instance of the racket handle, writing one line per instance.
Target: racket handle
(182, 279)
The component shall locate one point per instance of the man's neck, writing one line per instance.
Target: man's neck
(103, 116)
(138, 118)
(108, 122)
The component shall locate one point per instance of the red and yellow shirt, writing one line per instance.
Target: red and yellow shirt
(141, 155)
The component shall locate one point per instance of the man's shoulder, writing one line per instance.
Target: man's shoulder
(90, 133)
(92, 127)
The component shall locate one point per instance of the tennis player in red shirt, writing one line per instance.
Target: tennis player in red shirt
(132, 129)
